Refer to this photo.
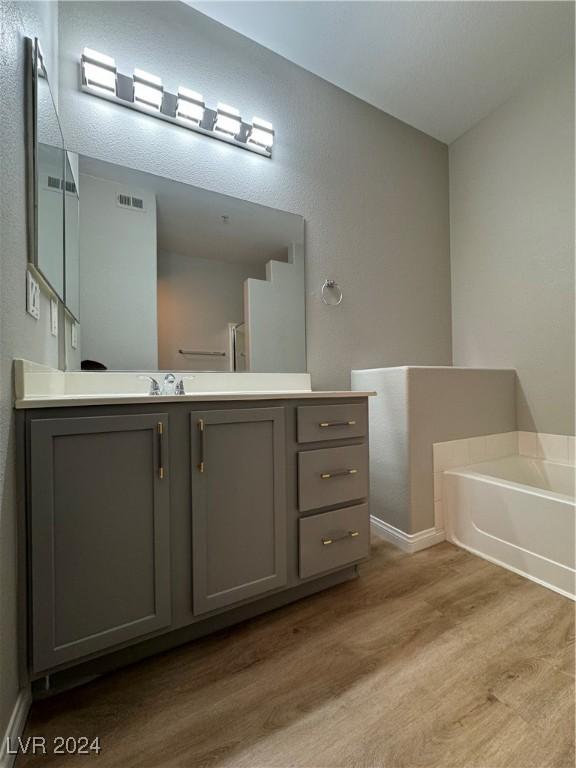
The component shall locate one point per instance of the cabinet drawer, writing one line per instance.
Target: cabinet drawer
(317, 423)
(332, 476)
(333, 539)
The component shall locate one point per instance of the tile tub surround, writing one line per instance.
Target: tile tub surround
(540, 445)
(473, 450)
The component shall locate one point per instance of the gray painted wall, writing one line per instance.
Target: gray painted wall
(373, 191)
(450, 404)
(389, 443)
(20, 335)
(415, 408)
(512, 240)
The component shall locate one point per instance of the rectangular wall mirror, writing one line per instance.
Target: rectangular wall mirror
(174, 277)
(47, 168)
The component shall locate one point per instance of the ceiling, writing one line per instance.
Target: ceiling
(198, 223)
(438, 66)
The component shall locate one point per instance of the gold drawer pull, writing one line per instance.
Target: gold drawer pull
(341, 473)
(348, 535)
(350, 423)
(160, 431)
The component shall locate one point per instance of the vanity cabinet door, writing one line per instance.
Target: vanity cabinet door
(238, 505)
(100, 554)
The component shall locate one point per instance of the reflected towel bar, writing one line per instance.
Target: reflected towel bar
(201, 353)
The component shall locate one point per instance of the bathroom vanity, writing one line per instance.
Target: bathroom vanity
(154, 520)
(156, 514)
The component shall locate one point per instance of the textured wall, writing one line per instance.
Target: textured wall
(415, 408)
(20, 335)
(373, 191)
(389, 444)
(449, 404)
(512, 233)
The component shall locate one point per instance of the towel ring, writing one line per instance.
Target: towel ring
(334, 285)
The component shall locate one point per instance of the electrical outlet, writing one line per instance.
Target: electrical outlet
(53, 317)
(32, 296)
(74, 336)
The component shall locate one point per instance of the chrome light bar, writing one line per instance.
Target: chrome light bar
(145, 93)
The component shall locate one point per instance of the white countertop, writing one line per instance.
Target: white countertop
(38, 386)
(55, 401)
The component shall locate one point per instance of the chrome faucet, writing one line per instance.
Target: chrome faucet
(169, 384)
(169, 387)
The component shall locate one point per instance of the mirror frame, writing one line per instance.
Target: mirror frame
(73, 313)
(35, 66)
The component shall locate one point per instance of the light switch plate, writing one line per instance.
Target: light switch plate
(32, 296)
(74, 336)
(53, 317)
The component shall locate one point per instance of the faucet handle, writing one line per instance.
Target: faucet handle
(154, 386)
(180, 388)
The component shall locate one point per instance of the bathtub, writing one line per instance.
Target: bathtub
(517, 512)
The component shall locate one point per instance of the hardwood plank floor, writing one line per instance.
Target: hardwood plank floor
(434, 659)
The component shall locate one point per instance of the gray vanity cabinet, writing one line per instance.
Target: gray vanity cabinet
(238, 505)
(151, 524)
(100, 533)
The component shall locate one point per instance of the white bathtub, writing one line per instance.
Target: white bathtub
(517, 512)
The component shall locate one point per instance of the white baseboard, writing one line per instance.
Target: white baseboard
(15, 728)
(408, 542)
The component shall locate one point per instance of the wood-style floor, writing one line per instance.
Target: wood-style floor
(434, 659)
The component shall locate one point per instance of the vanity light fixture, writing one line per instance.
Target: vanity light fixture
(228, 120)
(148, 89)
(261, 133)
(190, 105)
(98, 71)
(145, 93)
